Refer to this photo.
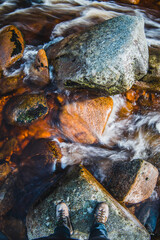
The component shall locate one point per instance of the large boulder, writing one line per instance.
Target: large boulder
(80, 190)
(133, 181)
(110, 56)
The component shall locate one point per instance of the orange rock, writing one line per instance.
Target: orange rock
(84, 121)
(39, 72)
(133, 1)
(131, 95)
(75, 128)
(130, 1)
(11, 46)
(126, 110)
(8, 84)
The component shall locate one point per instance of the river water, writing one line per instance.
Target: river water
(130, 135)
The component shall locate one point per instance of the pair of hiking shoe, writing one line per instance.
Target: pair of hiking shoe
(63, 218)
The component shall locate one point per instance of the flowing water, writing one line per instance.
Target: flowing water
(133, 128)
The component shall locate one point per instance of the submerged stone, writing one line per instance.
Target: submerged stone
(110, 56)
(81, 191)
(133, 181)
(9, 84)
(11, 46)
(36, 167)
(24, 109)
(85, 120)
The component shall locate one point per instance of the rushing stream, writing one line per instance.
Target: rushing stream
(133, 128)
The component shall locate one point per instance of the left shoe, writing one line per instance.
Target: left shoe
(62, 215)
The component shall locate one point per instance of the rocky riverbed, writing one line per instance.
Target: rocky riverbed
(79, 116)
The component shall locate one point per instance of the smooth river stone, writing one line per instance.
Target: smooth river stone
(11, 46)
(81, 191)
(84, 120)
(109, 56)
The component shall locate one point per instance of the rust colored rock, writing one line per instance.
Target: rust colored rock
(75, 128)
(11, 46)
(131, 1)
(133, 182)
(9, 84)
(24, 109)
(84, 121)
(39, 72)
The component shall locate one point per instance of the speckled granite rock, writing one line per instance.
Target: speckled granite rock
(134, 182)
(110, 56)
(80, 190)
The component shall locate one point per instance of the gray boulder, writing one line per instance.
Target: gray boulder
(109, 56)
(81, 191)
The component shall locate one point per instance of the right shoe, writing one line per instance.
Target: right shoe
(62, 216)
(101, 213)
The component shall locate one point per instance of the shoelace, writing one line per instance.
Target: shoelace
(101, 216)
(62, 218)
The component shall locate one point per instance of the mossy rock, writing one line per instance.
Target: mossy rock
(110, 56)
(24, 109)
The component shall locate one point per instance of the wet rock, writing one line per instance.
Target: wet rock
(153, 75)
(155, 160)
(75, 128)
(133, 182)
(35, 173)
(11, 46)
(9, 84)
(110, 56)
(8, 148)
(80, 190)
(16, 229)
(85, 120)
(39, 72)
(24, 109)
(7, 194)
(5, 169)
